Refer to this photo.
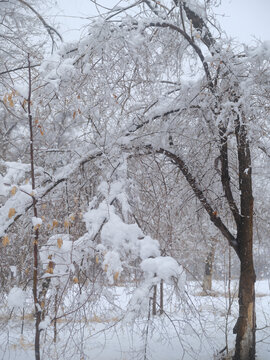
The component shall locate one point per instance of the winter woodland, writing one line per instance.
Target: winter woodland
(134, 186)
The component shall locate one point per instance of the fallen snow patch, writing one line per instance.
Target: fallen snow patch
(16, 298)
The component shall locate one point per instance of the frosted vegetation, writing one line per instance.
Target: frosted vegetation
(134, 186)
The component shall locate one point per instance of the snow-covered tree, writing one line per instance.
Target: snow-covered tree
(144, 136)
(141, 56)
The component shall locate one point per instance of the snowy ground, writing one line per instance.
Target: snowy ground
(193, 327)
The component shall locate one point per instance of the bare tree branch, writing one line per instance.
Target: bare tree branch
(193, 45)
(200, 195)
(18, 68)
(51, 30)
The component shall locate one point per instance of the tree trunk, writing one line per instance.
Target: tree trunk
(35, 228)
(246, 323)
(161, 294)
(154, 305)
(208, 270)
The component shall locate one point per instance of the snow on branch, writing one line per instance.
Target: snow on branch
(20, 200)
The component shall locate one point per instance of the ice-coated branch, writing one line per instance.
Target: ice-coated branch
(25, 200)
(18, 68)
(178, 161)
(163, 24)
(51, 30)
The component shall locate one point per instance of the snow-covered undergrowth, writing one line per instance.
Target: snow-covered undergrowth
(193, 326)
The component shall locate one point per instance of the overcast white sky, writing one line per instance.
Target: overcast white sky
(244, 19)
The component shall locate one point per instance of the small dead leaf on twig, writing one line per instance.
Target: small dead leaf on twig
(11, 213)
(54, 223)
(66, 224)
(50, 267)
(36, 227)
(13, 190)
(72, 217)
(5, 241)
(59, 242)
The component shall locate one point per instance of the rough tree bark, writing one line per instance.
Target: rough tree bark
(246, 323)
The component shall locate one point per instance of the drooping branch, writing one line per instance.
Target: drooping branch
(51, 30)
(196, 48)
(216, 220)
(46, 188)
(117, 12)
